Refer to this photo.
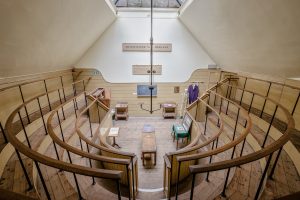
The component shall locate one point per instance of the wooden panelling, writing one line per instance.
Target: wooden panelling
(285, 95)
(11, 97)
(165, 91)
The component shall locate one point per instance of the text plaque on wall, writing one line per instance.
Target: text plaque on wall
(145, 69)
(145, 47)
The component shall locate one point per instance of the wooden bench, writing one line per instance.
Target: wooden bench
(148, 144)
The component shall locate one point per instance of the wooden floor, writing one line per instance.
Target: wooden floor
(243, 185)
(130, 140)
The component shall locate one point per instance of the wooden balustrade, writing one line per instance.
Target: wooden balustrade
(129, 176)
(171, 172)
(243, 159)
(57, 163)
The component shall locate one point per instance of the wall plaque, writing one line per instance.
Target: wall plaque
(145, 69)
(145, 47)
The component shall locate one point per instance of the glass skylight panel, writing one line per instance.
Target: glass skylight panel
(146, 3)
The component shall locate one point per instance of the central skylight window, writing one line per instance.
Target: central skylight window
(146, 3)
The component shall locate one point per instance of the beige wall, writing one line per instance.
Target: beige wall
(106, 54)
(284, 95)
(127, 91)
(256, 36)
(40, 36)
(11, 98)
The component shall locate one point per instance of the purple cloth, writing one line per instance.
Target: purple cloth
(193, 93)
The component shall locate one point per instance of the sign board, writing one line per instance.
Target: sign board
(145, 47)
(145, 69)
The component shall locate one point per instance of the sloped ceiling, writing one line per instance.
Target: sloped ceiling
(260, 36)
(47, 35)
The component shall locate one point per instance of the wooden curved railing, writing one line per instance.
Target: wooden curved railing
(186, 157)
(115, 163)
(57, 163)
(171, 164)
(243, 159)
(19, 84)
(40, 158)
(129, 176)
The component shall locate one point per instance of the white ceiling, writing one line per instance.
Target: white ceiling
(261, 36)
(47, 35)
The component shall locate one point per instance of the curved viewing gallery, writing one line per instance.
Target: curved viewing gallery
(149, 100)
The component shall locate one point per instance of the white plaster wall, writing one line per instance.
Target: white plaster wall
(131, 27)
(257, 36)
(47, 35)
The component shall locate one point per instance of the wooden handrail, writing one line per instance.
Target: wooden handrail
(199, 146)
(223, 148)
(273, 82)
(36, 80)
(55, 90)
(10, 195)
(78, 169)
(75, 150)
(167, 161)
(253, 156)
(28, 82)
(99, 147)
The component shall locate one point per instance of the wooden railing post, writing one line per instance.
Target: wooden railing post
(171, 174)
(42, 116)
(218, 124)
(3, 133)
(88, 115)
(128, 182)
(23, 100)
(177, 183)
(118, 189)
(216, 94)
(262, 111)
(88, 150)
(42, 180)
(263, 177)
(295, 105)
(210, 159)
(243, 91)
(206, 115)
(63, 89)
(24, 170)
(24, 129)
(74, 109)
(275, 164)
(61, 131)
(193, 185)
(62, 108)
(227, 107)
(45, 85)
(98, 113)
(267, 134)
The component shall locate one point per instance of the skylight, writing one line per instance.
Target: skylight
(146, 3)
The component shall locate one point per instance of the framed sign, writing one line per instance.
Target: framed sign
(145, 69)
(145, 47)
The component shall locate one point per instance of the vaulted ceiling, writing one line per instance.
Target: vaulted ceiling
(258, 36)
(47, 35)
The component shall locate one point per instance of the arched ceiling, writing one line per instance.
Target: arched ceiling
(258, 36)
(47, 35)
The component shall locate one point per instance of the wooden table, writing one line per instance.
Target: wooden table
(114, 132)
(121, 111)
(148, 144)
(169, 110)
